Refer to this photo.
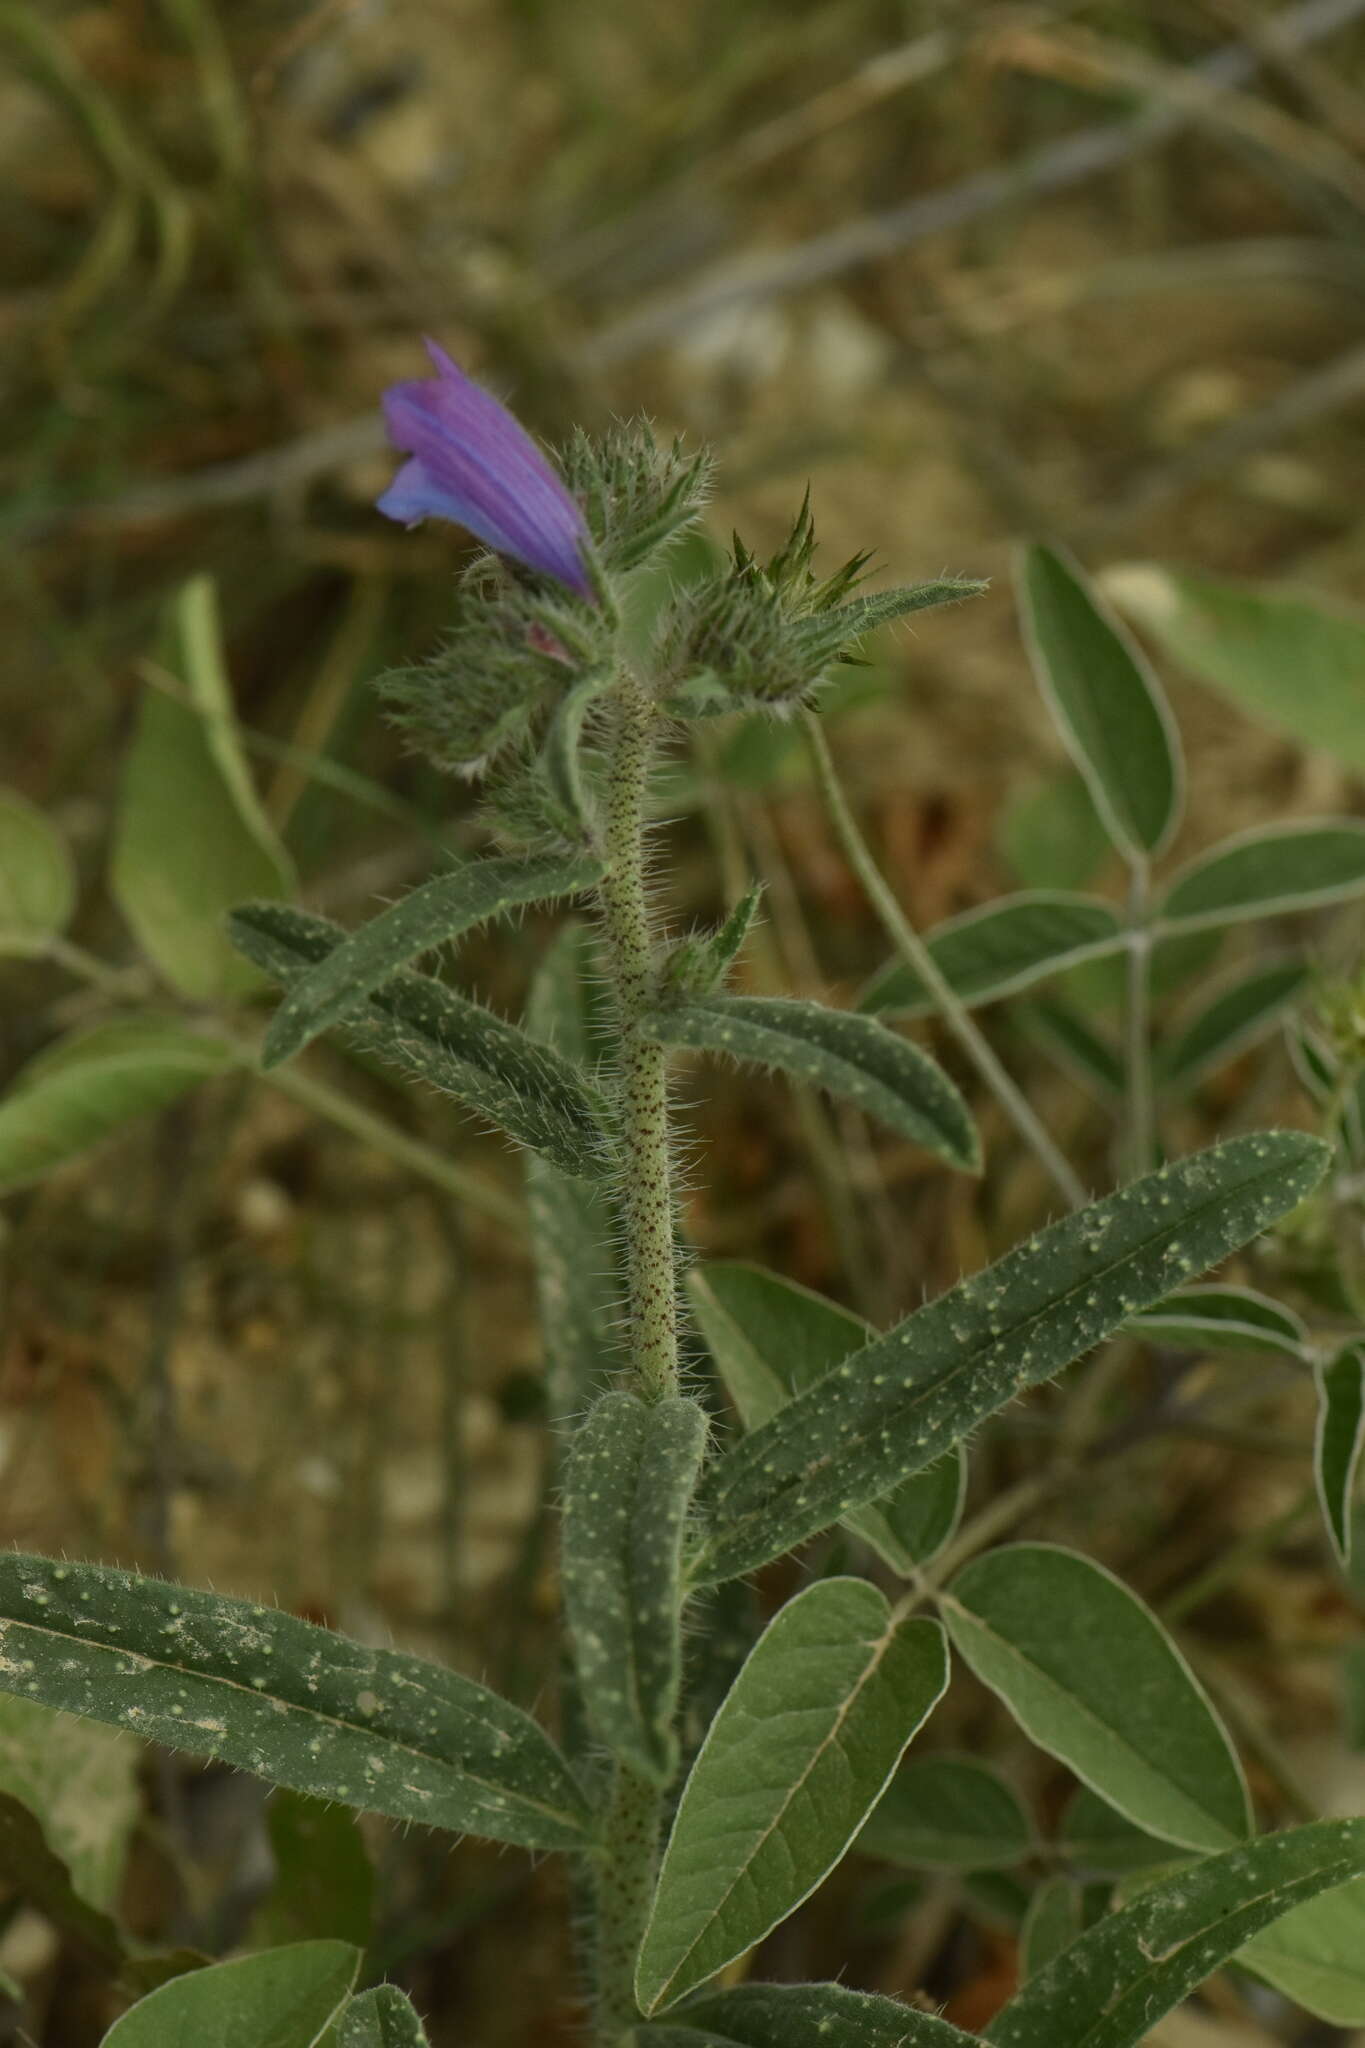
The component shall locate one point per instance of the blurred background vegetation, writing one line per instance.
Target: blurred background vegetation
(1091, 270)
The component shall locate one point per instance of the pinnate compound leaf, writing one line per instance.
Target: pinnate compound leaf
(805, 1741)
(853, 1057)
(1316, 1955)
(280, 1998)
(382, 2018)
(1223, 1318)
(1289, 659)
(1003, 947)
(421, 1026)
(441, 910)
(1109, 1988)
(79, 1781)
(1092, 1677)
(375, 1729)
(1338, 1442)
(629, 1482)
(190, 837)
(37, 877)
(324, 1886)
(1267, 873)
(770, 1339)
(88, 1085)
(948, 1813)
(1108, 704)
(1238, 1014)
(891, 1408)
(800, 2016)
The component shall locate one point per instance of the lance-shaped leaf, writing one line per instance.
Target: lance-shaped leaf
(1291, 660)
(1108, 704)
(443, 909)
(1243, 1010)
(1000, 948)
(88, 1085)
(190, 837)
(1267, 873)
(1338, 1442)
(1092, 1676)
(627, 1489)
(881, 607)
(1052, 1923)
(281, 1998)
(260, 1689)
(891, 1408)
(800, 2016)
(434, 1035)
(1109, 1988)
(382, 2018)
(1222, 1319)
(800, 1751)
(698, 966)
(948, 1813)
(573, 1227)
(1074, 1042)
(1316, 1955)
(37, 877)
(770, 1339)
(853, 1057)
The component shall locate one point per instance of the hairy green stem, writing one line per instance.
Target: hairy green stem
(646, 1166)
(624, 1887)
(921, 962)
(1137, 1028)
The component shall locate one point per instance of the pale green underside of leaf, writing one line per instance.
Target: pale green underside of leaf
(421, 1026)
(91, 1083)
(800, 1751)
(1338, 1442)
(800, 2016)
(1316, 1955)
(281, 1998)
(261, 1689)
(853, 1057)
(1092, 1677)
(1293, 660)
(1274, 870)
(770, 1339)
(435, 914)
(893, 1407)
(37, 876)
(627, 1488)
(1109, 1988)
(999, 949)
(1108, 704)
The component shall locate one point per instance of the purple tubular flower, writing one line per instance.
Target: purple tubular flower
(471, 462)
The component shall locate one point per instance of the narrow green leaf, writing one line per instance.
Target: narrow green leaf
(1315, 1955)
(91, 1083)
(324, 1886)
(562, 760)
(811, 1730)
(37, 877)
(190, 838)
(893, 1407)
(1092, 1677)
(800, 2016)
(1108, 1989)
(1002, 947)
(1222, 1319)
(881, 607)
(281, 1998)
(434, 1035)
(1100, 1843)
(38, 1874)
(1108, 704)
(1266, 873)
(1243, 1010)
(771, 1339)
(573, 1226)
(442, 910)
(1052, 1923)
(853, 1057)
(383, 2018)
(629, 1482)
(1051, 834)
(1339, 1439)
(79, 1781)
(260, 1689)
(1074, 1042)
(698, 966)
(948, 1813)
(1289, 659)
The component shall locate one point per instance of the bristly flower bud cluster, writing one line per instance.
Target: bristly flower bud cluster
(768, 635)
(635, 495)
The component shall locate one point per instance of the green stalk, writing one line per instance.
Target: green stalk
(921, 962)
(625, 1874)
(1137, 1028)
